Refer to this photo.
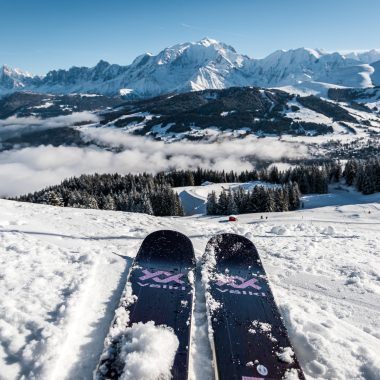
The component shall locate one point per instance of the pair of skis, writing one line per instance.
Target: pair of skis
(247, 335)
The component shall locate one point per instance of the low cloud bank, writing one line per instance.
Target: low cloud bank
(264, 148)
(30, 169)
(14, 126)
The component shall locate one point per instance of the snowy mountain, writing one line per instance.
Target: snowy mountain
(206, 64)
(13, 79)
(322, 264)
(369, 56)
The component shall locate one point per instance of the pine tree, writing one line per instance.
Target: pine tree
(350, 172)
(52, 198)
(212, 205)
(146, 206)
(368, 182)
(241, 200)
(337, 172)
(89, 201)
(278, 200)
(260, 197)
(268, 201)
(294, 196)
(178, 209)
(107, 202)
(231, 204)
(254, 200)
(274, 176)
(223, 203)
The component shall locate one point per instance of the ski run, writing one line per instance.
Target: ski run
(63, 272)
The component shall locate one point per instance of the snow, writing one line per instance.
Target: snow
(63, 273)
(286, 355)
(206, 64)
(125, 91)
(307, 115)
(118, 330)
(291, 374)
(262, 327)
(45, 105)
(365, 56)
(278, 230)
(148, 352)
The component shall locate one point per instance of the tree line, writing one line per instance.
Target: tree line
(277, 198)
(310, 178)
(142, 193)
(154, 194)
(363, 174)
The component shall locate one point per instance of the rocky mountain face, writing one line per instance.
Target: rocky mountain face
(206, 64)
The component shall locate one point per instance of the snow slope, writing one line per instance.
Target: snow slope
(63, 271)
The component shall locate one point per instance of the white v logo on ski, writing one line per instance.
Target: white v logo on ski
(222, 290)
(141, 284)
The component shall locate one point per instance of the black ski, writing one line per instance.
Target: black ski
(161, 279)
(248, 337)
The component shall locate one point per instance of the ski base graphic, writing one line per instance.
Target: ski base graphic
(248, 337)
(161, 280)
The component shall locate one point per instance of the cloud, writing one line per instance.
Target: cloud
(30, 169)
(266, 149)
(14, 126)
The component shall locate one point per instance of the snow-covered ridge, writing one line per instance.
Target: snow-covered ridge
(205, 64)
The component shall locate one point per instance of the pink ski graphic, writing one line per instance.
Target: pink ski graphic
(231, 281)
(155, 277)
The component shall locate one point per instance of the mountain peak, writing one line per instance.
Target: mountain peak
(102, 62)
(13, 71)
(206, 41)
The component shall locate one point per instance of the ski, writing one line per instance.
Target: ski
(160, 288)
(248, 337)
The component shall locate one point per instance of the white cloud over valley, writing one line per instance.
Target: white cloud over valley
(30, 169)
(14, 126)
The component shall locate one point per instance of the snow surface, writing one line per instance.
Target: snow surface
(148, 352)
(63, 272)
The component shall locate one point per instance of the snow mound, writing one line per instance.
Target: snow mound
(279, 230)
(329, 230)
(148, 352)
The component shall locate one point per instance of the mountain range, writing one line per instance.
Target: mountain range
(206, 64)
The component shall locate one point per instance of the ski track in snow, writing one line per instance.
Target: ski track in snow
(63, 271)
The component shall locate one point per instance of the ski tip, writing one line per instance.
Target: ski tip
(229, 247)
(167, 245)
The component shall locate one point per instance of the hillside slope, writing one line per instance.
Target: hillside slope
(63, 271)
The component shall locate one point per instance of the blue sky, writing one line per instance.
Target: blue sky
(40, 35)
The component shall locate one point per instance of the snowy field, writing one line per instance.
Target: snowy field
(62, 273)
